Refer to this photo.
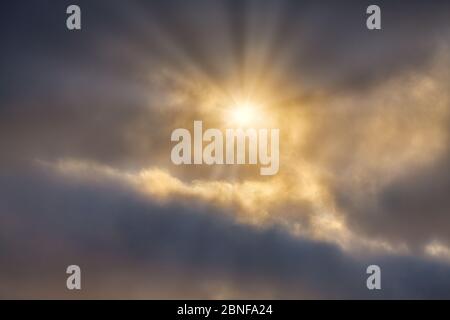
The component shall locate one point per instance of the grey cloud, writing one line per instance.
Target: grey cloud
(412, 209)
(62, 92)
(129, 246)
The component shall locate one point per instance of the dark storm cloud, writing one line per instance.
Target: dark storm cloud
(109, 231)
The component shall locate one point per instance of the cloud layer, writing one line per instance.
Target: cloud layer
(86, 176)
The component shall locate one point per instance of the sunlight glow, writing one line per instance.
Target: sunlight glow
(244, 114)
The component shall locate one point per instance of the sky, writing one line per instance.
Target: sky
(86, 176)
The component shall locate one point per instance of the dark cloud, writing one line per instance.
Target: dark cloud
(412, 209)
(129, 246)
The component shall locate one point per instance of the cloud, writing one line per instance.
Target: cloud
(411, 209)
(364, 148)
(396, 179)
(178, 249)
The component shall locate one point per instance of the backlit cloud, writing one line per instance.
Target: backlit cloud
(85, 126)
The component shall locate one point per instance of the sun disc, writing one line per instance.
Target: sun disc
(243, 114)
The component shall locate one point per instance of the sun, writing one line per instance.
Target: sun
(243, 114)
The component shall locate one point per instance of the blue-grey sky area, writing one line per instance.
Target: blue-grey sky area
(86, 177)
